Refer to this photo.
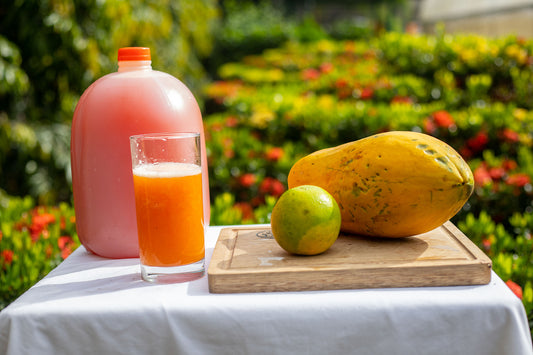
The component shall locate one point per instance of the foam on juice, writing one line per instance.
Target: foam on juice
(166, 170)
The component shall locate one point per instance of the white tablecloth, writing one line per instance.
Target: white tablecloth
(92, 305)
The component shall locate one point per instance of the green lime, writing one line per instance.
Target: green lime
(306, 220)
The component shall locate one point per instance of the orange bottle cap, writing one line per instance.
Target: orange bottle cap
(134, 53)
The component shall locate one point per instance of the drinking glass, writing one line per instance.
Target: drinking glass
(167, 179)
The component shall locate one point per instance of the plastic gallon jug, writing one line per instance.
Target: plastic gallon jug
(134, 100)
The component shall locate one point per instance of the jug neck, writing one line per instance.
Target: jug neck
(133, 65)
(134, 59)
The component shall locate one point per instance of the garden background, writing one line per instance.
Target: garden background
(274, 84)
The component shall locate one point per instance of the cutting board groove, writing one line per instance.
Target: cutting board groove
(248, 259)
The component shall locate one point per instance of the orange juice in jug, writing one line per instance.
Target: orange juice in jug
(134, 100)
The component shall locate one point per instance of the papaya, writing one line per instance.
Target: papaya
(394, 184)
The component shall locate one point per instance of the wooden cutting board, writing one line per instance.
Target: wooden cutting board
(248, 259)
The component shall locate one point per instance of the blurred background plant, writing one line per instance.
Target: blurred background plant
(33, 240)
(52, 50)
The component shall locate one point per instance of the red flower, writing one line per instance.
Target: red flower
(271, 186)
(509, 164)
(246, 209)
(48, 251)
(227, 142)
(65, 244)
(497, 173)
(341, 83)
(247, 180)
(274, 154)
(439, 119)
(517, 290)
(401, 100)
(343, 88)
(229, 153)
(482, 176)
(487, 243)
(518, 180)
(367, 93)
(6, 257)
(39, 223)
(478, 142)
(443, 119)
(216, 127)
(310, 74)
(508, 135)
(429, 126)
(66, 252)
(231, 121)
(326, 67)
(43, 219)
(64, 241)
(257, 201)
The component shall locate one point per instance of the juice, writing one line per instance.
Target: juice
(134, 100)
(168, 199)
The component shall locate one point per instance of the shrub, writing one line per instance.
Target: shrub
(511, 252)
(51, 51)
(469, 91)
(33, 240)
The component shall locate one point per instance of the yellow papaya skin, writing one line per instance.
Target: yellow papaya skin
(393, 184)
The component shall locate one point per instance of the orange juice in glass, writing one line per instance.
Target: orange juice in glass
(167, 180)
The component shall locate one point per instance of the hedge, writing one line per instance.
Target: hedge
(472, 92)
(269, 110)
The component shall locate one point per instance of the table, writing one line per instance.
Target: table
(92, 305)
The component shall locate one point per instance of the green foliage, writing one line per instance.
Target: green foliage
(52, 50)
(511, 250)
(304, 96)
(33, 240)
(498, 69)
(224, 212)
(350, 29)
(12, 78)
(30, 155)
(249, 27)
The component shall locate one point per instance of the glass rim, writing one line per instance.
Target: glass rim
(165, 135)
